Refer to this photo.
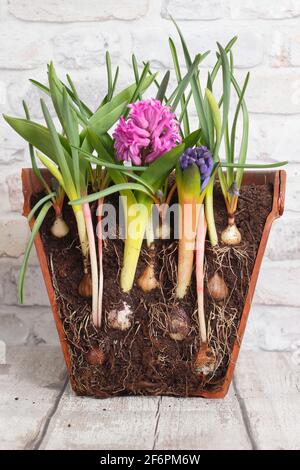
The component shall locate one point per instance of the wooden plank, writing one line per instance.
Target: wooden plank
(268, 386)
(113, 423)
(30, 383)
(195, 423)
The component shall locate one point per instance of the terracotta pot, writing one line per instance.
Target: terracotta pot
(32, 185)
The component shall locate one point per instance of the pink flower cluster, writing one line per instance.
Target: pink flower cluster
(150, 130)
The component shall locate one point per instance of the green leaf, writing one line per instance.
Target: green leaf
(34, 165)
(71, 126)
(161, 92)
(60, 155)
(185, 81)
(184, 113)
(117, 177)
(35, 229)
(253, 165)
(52, 168)
(111, 190)
(109, 76)
(195, 88)
(218, 63)
(84, 109)
(215, 113)
(192, 139)
(72, 92)
(37, 135)
(160, 168)
(236, 115)
(107, 115)
(39, 204)
(245, 135)
(93, 159)
(56, 93)
(226, 77)
(137, 92)
(135, 70)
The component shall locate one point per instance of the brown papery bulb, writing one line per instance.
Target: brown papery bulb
(59, 228)
(120, 318)
(179, 325)
(95, 357)
(85, 286)
(147, 281)
(231, 235)
(217, 287)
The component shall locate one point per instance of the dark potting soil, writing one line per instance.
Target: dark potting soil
(144, 359)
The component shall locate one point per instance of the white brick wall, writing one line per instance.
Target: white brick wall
(75, 35)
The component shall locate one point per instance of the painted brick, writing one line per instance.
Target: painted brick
(94, 10)
(15, 194)
(193, 9)
(265, 9)
(78, 48)
(24, 48)
(275, 92)
(13, 236)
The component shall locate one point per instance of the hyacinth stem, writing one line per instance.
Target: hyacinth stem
(93, 259)
(209, 213)
(82, 233)
(200, 246)
(100, 259)
(186, 247)
(136, 225)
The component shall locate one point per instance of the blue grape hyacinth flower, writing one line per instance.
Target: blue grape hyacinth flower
(202, 157)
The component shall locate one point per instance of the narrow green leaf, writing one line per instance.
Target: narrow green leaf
(52, 168)
(136, 94)
(39, 204)
(185, 81)
(198, 98)
(236, 115)
(245, 135)
(60, 155)
(109, 76)
(226, 76)
(84, 109)
(35, 229)
(93, 159)
(71, 126)
(34, 165)
(161, 92)
(253, 165)
(111, 190)
(218, 63)
(185, 117)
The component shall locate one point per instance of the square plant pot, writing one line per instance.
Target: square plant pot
(85, 369)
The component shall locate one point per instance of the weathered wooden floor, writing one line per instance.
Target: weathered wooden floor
(39, 411)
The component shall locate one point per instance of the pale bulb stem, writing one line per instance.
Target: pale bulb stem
(93, 259)
(100, 257)
(200, 246)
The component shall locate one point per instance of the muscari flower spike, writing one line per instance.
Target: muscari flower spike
(202, 157)
(150, 130)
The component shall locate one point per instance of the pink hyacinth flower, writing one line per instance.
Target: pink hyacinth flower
(150, 130)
